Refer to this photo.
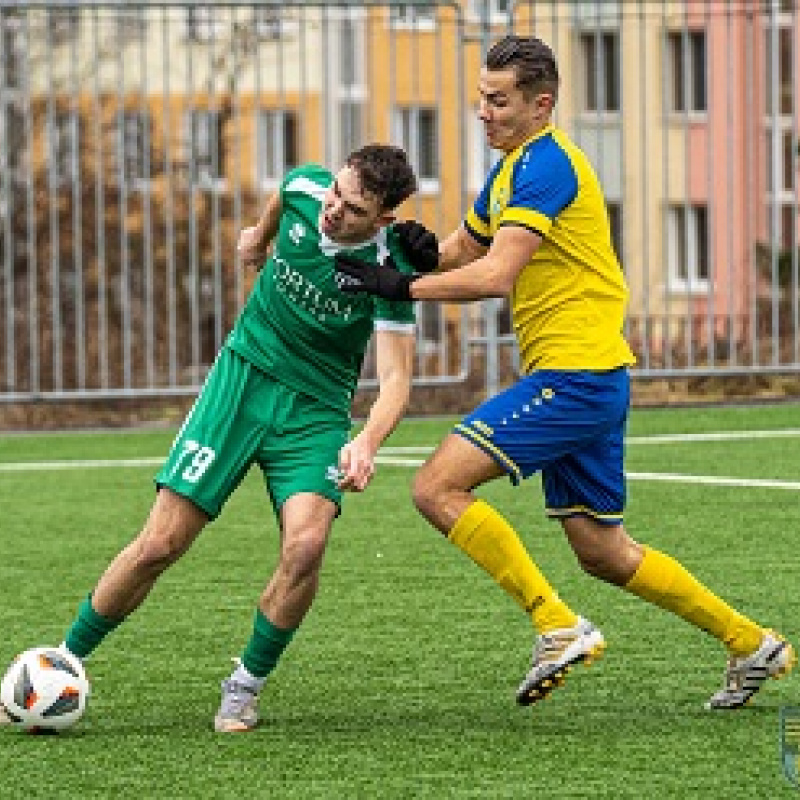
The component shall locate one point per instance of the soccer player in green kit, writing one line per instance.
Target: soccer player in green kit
(279, 396)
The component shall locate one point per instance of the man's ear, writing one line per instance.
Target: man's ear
(545, 103)
(385, 219)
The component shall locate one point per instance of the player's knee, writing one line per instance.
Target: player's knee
(424, 494)
(302, 553)
(155, 552)
(607, 565)
(593, 564)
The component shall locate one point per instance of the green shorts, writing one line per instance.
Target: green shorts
(243, 416)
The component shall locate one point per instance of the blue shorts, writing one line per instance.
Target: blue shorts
(568, 424)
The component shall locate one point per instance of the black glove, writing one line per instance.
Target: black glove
(384, 280)
(420, 246)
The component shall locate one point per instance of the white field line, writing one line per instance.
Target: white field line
(710, 480)
(399, 457)
(660, 438)
(48, 466)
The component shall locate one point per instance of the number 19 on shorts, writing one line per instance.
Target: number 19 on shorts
(194, 460)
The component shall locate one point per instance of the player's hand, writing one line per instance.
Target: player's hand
(384, 280)
(420, 246)
(250, 248)
(356, 466)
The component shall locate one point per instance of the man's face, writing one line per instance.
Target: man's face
(349, 215)
(508, 118)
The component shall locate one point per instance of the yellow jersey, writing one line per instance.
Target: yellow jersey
(568, 303)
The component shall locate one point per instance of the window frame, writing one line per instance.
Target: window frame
(676, 42)
(477, 172)
(143, 144)
(428, 184)
(420, 16)
(689, 226)
(592, 78)
(196, 169)
(202, 24)
(274, 120)
(63, 170)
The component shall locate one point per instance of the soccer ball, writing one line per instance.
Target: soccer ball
(44, 690)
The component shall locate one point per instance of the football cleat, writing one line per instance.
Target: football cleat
(237, 712)
(553, 655)
(744, 675)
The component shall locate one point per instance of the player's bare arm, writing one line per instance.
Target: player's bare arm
(395, 359)
(254, 241)
(458, 249)
(491, 275)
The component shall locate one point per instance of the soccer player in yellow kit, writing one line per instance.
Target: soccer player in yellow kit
(539, 233)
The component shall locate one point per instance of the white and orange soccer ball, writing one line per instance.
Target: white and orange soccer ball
(44, 690)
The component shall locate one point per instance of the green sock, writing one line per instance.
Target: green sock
(265, 646)
(88, 629)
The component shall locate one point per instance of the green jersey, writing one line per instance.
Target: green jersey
(297, 326)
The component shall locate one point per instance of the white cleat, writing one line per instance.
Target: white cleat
(745, 675)
(238, 711)
(553, 655)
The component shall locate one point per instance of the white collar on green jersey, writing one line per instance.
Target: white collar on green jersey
(331, 248)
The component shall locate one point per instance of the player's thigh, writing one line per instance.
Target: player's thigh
(306, 520)
(456, 463)
(540, 418)
(302, 456)
(216, 443)
(589, 479)
(173, 524)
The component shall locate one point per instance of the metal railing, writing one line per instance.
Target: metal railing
(137, 139)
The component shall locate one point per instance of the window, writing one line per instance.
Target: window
(63, 24)
(480, 161)
(497, 10)
(416, 130)
(203, 24)
(134, 138)
(350, 48)
(687, 231)
(601, 64)
(270, 23)
(779, 91)
(131, 24)
(351, 127)
(615, 222)
(785, 161)
(787, 226)
(12, 51)
(63, 148)
(12, 142)
(204, 140)
(276, 145)
(687, 59)
(413, 15)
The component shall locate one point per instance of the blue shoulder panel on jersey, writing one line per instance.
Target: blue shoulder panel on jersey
(544, 178)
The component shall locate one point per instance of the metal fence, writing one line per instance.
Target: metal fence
(136, 139)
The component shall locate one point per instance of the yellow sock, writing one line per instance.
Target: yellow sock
(660, 579)
(495, 547)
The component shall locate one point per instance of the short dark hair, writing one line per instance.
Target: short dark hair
(384, 171)
(533, 61)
